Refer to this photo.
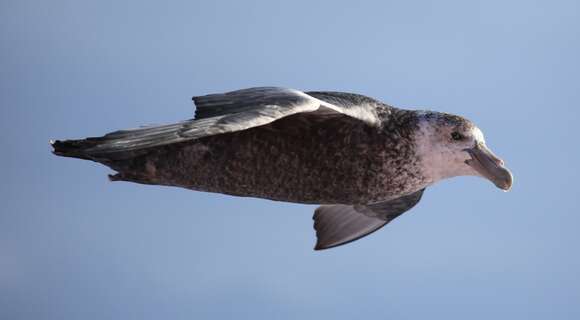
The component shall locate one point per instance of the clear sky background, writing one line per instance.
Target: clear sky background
(75, 246)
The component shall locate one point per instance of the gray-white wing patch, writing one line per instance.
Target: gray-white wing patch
(262, 101)
(336, 225)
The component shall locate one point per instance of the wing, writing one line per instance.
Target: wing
(217, 114)
(275, 102)
(336, 225)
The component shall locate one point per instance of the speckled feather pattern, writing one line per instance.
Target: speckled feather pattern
(305, 158)
(365, 161)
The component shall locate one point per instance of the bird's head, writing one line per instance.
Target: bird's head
(450, 145)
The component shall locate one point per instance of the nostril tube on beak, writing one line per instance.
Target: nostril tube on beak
(495, 158)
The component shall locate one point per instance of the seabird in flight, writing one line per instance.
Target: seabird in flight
(363, 161)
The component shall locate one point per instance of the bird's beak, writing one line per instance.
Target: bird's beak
(489, 166)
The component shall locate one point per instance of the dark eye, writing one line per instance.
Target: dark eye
(456, 136)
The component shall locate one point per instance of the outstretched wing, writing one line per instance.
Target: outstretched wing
(217, 114)
(336, 225)
(275, 102)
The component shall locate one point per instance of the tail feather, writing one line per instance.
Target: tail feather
(118, 145)
(73, 148)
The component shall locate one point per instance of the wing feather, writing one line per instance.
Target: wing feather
(218, 114)
(340, 224)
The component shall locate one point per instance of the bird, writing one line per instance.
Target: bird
(364, 162)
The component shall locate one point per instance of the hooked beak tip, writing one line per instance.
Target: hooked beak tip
(506, 184)
(490, 167)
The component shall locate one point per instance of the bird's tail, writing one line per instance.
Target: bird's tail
(119, 145)
(73, 148)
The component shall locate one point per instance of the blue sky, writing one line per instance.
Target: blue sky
(74, 245)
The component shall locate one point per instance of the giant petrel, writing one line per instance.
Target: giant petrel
(364, 161)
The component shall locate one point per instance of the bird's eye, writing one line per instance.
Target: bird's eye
(456, 136)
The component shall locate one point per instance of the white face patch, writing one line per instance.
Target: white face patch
(441, 157)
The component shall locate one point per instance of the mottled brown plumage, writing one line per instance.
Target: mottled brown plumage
(297, 159)
(366, 161)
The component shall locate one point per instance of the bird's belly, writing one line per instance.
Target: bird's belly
(306, 165)
(303, 170)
